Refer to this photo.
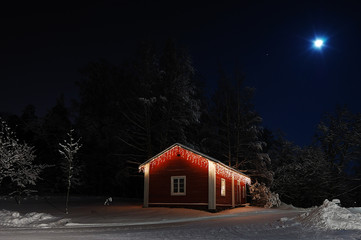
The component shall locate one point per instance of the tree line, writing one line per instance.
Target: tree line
(127, 113)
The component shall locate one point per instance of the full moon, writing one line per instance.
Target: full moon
(318, 43)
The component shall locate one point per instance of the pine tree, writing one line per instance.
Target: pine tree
(339, 136)
(104, 91)
(303, 177)
(180, 105)
(55, 126)
(236, 137)
(130, 112)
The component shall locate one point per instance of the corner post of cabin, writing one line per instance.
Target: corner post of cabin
(233, 202)
(146, 186)
(211, 186)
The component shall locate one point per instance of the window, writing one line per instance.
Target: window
(239, 193)
(223, 187)
(178, 185)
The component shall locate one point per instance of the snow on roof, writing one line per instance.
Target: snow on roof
(219, 163)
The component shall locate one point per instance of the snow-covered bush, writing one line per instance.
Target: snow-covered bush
(262, 196)
(17, 163)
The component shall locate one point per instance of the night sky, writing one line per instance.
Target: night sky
(43, 45)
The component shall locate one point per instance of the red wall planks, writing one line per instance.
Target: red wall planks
(160, 181)
(224, 200)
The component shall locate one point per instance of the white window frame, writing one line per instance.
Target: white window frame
(223, 187)
(172, 178)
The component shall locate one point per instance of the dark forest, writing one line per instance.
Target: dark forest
(127, 113)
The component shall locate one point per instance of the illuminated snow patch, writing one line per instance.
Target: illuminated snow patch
(331, 216)
(33, 219)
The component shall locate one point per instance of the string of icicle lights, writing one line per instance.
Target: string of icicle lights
(197, 160)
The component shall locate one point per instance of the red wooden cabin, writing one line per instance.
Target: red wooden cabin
(181, 176)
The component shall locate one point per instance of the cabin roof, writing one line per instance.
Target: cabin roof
(194, 151)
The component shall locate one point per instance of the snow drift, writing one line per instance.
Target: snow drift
(33, 219)
(331, 216)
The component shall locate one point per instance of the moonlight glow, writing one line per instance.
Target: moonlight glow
(318, 43)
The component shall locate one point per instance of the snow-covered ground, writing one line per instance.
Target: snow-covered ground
(331, 216)
(43, 218)
(32, 219)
